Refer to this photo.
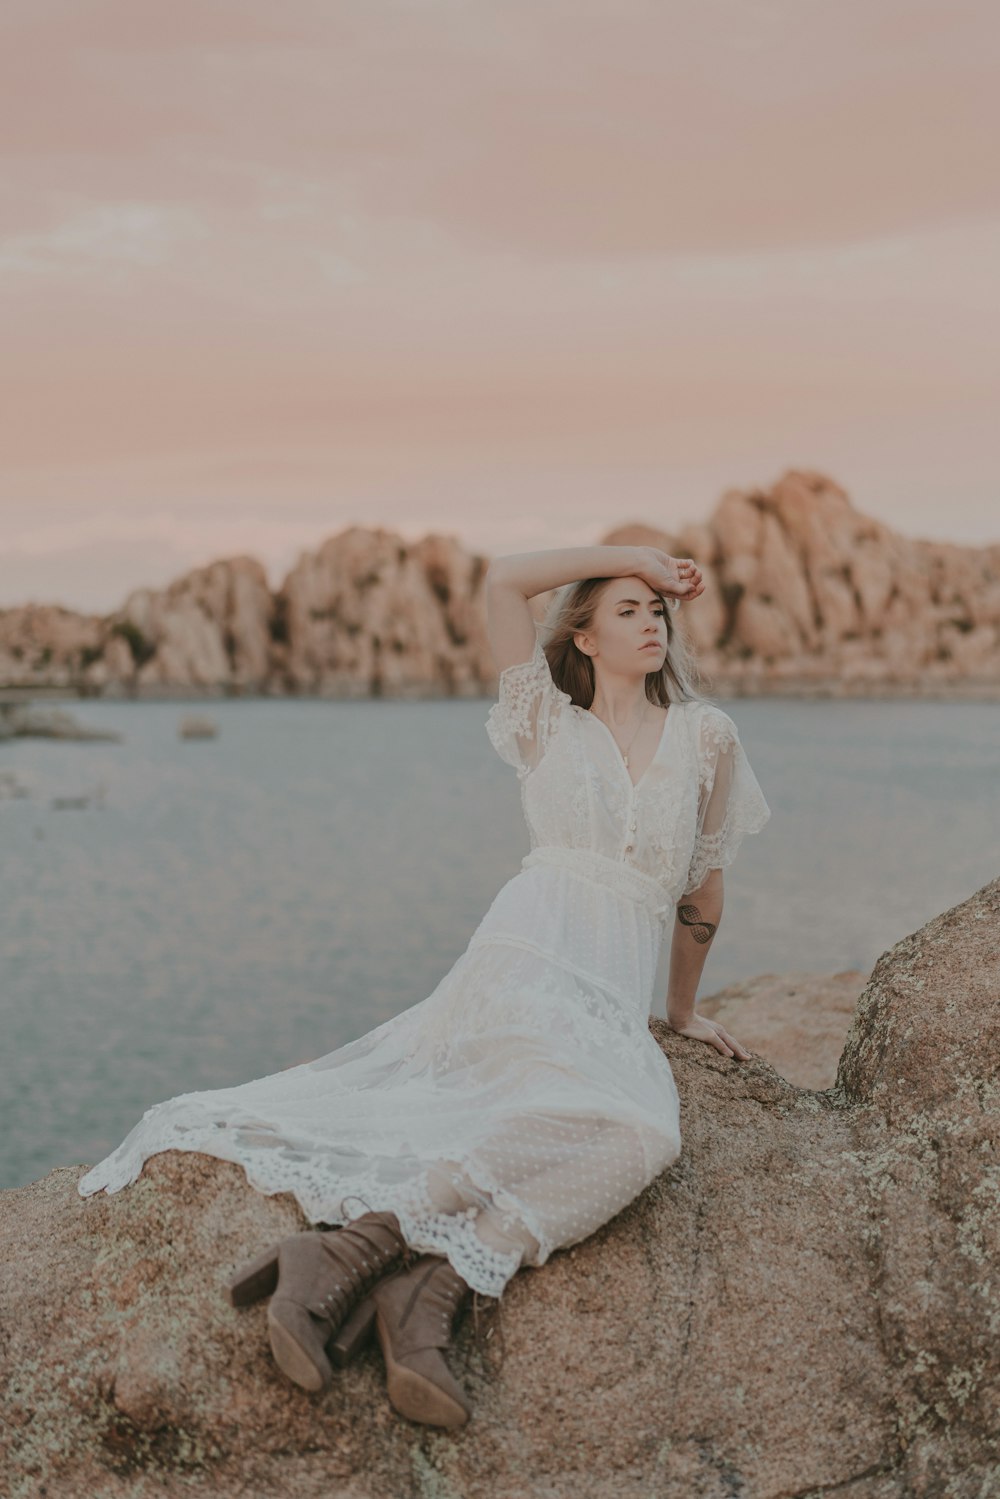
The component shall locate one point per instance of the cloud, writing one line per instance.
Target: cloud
(276, 267)
(144, 234)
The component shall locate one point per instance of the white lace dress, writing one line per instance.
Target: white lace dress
(525, 1101)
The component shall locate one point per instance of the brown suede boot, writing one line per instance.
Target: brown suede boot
(415, 1310)
(320, 1280)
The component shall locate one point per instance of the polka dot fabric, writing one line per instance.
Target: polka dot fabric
(524, 1102)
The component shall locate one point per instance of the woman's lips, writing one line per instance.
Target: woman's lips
(651, 645)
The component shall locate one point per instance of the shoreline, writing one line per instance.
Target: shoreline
(984, 690)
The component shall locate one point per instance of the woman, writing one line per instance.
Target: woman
(524, 1102)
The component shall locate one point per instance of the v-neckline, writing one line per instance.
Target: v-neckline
(621, 760)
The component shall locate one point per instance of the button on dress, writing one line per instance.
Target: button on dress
(525, 1101)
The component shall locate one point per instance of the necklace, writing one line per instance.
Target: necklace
(642, 719)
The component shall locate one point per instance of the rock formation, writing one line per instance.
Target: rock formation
(799, 1021)
(371, 614)
(804, 595)
(803, 1304)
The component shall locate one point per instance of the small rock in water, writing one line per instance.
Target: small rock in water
(22, 719)
(195, 727)
(85, 799)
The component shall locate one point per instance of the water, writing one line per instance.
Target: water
(246, 903)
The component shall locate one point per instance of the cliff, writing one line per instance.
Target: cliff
(804, 595)
(804, 1304)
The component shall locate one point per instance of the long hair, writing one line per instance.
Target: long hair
(572, 608)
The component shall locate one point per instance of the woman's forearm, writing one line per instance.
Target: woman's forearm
(695, 924)
(539, 572)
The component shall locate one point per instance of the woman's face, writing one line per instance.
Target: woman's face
(629, 630)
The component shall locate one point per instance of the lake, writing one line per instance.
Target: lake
(238, 905)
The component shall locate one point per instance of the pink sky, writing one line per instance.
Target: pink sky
(515, 270)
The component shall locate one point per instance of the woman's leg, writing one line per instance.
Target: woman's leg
(452, 1192)
(573, 1175)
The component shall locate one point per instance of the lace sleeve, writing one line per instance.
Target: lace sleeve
(730, 802)
(522, 722)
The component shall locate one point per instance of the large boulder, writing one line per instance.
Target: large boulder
(803, 1305)
(371, 614)
(209, 628)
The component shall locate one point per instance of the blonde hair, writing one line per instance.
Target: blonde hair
(572, 608)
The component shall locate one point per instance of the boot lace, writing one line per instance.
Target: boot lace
(493, 1304)
(410, 1255)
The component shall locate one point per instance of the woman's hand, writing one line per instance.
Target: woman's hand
(700, 1028)
(677, 577)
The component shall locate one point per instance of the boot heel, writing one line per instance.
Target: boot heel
(354, 1333)
(257, 1278)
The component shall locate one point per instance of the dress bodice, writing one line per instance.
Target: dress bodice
(687, 813)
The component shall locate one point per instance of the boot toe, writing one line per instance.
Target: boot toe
(424, 1389)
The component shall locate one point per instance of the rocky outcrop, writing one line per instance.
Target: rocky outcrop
(367, 614)
(209, 628)
(371, 614)
(25, 721)
(803, 1304)
(804, 595)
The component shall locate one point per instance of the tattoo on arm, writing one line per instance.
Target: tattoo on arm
(701, 931)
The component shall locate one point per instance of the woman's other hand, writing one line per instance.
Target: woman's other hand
(677, 577)
(700, 1028)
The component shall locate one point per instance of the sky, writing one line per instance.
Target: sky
(516, 271)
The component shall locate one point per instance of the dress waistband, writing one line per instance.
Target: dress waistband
(623, 879)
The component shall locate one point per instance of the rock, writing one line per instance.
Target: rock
(208, 629)
(370, 614)
(193, 726)
(842, 579)
(81, 801)
(804, 594)
(762, 628)
(26, 721)
(738, 524)
(42, 644)
(804, 1303)
(799, 1021)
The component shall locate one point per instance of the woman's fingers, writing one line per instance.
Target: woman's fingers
(685, 578)
(678, 577)
(714, 1034)
(738, 1048)
(727, 1044)
(689, 573)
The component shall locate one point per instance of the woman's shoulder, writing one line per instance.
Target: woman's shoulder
(713, 721)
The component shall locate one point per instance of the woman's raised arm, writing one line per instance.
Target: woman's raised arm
(513, 579)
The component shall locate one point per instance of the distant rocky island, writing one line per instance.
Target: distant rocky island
(805, 596)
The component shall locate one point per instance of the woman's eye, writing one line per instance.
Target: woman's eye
(660, 613)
